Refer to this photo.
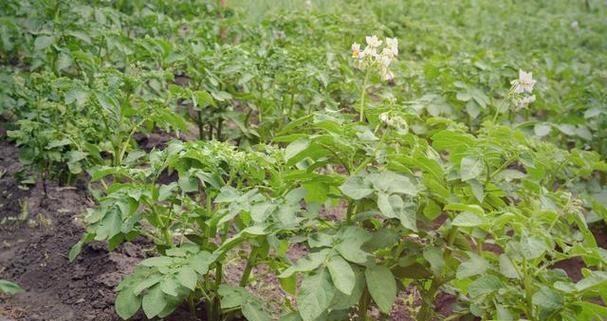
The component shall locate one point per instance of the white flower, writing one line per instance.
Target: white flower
(384, 118)
(524, 83)
(392, 44)
(525, 101)
(386, 57)
(375, 56)
(394, 121)
(373, 41)
(370, 52)
(355, 50)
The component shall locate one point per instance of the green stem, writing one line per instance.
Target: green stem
(291, 101)
(219, 128)
(528, 291)
(452, 235)
(497, 112)
(216, 302)
(373, 155)
(363, 305)
(125, 144)
(248, 268)
(363, 94)
(425, 313)
(350, 212)
(200, 124)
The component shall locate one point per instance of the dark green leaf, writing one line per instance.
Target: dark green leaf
(382, 286)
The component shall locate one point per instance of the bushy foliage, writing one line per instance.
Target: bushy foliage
(459, 145)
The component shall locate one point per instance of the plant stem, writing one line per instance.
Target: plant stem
(350, 212)
(248, 268)
(363, 305)
(216, 302)
(200, 124)
(426, 311)
(126, 142)
(497, 112)
(528, 291)
(219, 128)
(363, 94)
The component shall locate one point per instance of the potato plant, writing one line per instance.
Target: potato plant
(398, 146)
(484, 215)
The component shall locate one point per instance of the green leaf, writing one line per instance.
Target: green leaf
(532, 247)
(507, 268)
(201, 261)
(447, 139)
(465, 208)
(593, 112)
(315, 295)
(356, 187)
(232, 297)
(382, 286)
(385, 206)
(473, 109)
(467, 219)
(289, 284)
(474, 266)
(477, 190)
(127, 303)
(76, 95)
(170, 286)
(308, 263)
(392, 183)
(434, 256)
(510, 174)
(343, 301)
(352, 239)
(470, 168)
(253, 312)
(58, 143)
(75, 251)
(109, 226)
(293, 316)
(595, 279)
(432, 210)
(342, 274)
(484, 285)
(187, 277)
(316, 192)
(202, 99)
(542, 130)
(503, 313)
(463, 96)
(547, 299)
(43, 42)
(146, 283)
(157, 261)
(583, 132)
(566, 129)
(9, 288)
(296, 147)
(153, 302)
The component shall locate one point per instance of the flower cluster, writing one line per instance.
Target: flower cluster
(395, 121)
(521, 90)
(372, 57)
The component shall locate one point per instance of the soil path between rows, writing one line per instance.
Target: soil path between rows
(35, 236)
